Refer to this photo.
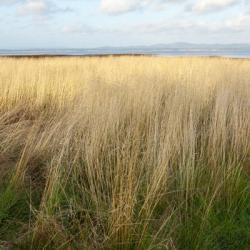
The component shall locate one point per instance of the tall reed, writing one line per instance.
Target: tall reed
(123, 152)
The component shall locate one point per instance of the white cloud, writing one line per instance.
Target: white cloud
(8, 2)
(213, 5)
(123, 6)
(120, 6)
(36, 7)
(240, 23)
(232, 26)
(248, 9)
(39, 8)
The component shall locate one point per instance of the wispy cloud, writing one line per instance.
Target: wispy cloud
(203, 6)
(248, 9)
(240, 23)
(8, 2)
(119, 6)
(122, 6)
(40, 8)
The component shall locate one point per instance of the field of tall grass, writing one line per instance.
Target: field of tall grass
(124, 153)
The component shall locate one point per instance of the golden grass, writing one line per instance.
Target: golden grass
(119, 148)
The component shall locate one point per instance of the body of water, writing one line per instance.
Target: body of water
(236, 53)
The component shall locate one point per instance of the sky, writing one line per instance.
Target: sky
(27, 24)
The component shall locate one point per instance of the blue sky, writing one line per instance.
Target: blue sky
(95, 23)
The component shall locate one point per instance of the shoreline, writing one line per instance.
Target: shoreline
(69, 55)
(37, 56)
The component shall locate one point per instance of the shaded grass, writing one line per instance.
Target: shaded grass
(224, 227)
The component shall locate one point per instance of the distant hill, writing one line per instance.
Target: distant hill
(171, 49)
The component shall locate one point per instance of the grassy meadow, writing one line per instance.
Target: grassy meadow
(124, 153)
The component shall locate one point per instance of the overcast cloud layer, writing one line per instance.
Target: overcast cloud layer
(94, 23)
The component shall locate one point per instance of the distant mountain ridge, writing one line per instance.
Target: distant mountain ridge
(177, 45)
(241, 50)
(182, 45)
(203, 45)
